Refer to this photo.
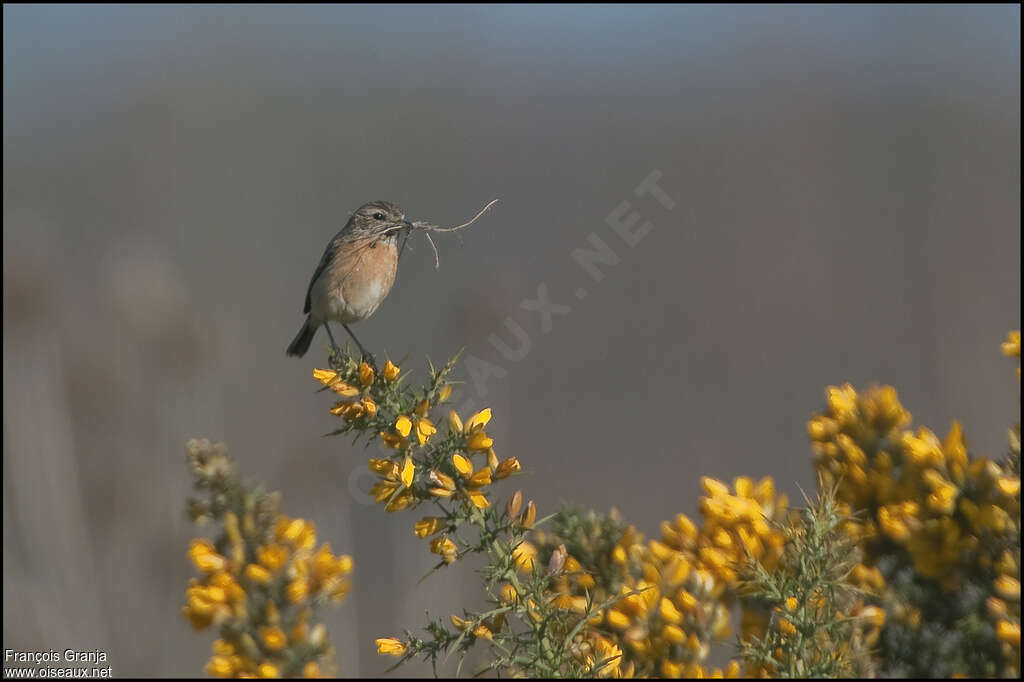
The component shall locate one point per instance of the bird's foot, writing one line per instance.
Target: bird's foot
(370, 359)
(335, 356)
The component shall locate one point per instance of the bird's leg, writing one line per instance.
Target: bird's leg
(373, 361)
(335, 349)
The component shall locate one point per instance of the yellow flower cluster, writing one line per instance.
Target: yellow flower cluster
(670, 611)
(419, 472)
(871, 583)
(956, 516)
(454, 478)
(675, 594)
(601, 656)
(285, 575)
(1011, 347)
(1004, 604)
(919, 492)
(737, 525)
(260, 582)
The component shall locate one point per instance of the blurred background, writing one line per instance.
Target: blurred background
(846, 188)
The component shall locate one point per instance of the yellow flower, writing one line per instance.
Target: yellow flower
(298, 532)
(400, 501)
(268, 670)
(220, 666)
(530, 515)
(454, 422)
(842, 401)
(609, 657)
(821, 428)
(462, 465)
(478, 421)
(508, 594)
(942, 500)
(343, 389)
(424, 430)
(428, 525)
(354, 410)
(366, 374)
(403, 425)
(673, 634)
(257, 574)
(458, 623)
(369, 407)
(523, 556)
(617, 620)
(483, 632)
(408, 472)
(325, 567)
(273, 638)
(297, 591)
(996, 607)
(714, 488)
(444, 393)
(478, 499)
(384, 467)
(444, 486)
(389, 646)
(1011, 347)
(1008, 588)
(786, 627)
(515, 503)
(325, 376)
(480, 478)
(479, 442)
(393, 441)
(923, 449)
(669, 612)
(391, 371)
(383, 490)
(205, 556)
(873, 615)
(444, 547)
(272, 557)
(1008, 485)
(507, 468)
(792, 604)
(222, 648)
(1008, 632)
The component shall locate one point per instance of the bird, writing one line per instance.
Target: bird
(355, 273)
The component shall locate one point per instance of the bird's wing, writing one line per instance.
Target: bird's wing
(332, 248)
(340, 241)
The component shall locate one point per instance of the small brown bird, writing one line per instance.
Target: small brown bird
(355, 273)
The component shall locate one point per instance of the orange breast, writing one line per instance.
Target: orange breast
(369, 274)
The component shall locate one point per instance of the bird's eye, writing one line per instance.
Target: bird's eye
(378, 215)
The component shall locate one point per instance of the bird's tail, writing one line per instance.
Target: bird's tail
(300, 344)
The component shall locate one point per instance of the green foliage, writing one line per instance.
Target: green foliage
(812, 632)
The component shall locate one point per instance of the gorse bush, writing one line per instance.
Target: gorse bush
(262, 579)
(905, 562)
(820, 626)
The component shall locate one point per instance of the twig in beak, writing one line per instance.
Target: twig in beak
(437, 258)
(430, 227)
(459, 227)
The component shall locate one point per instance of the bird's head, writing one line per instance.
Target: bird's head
(377, 220)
